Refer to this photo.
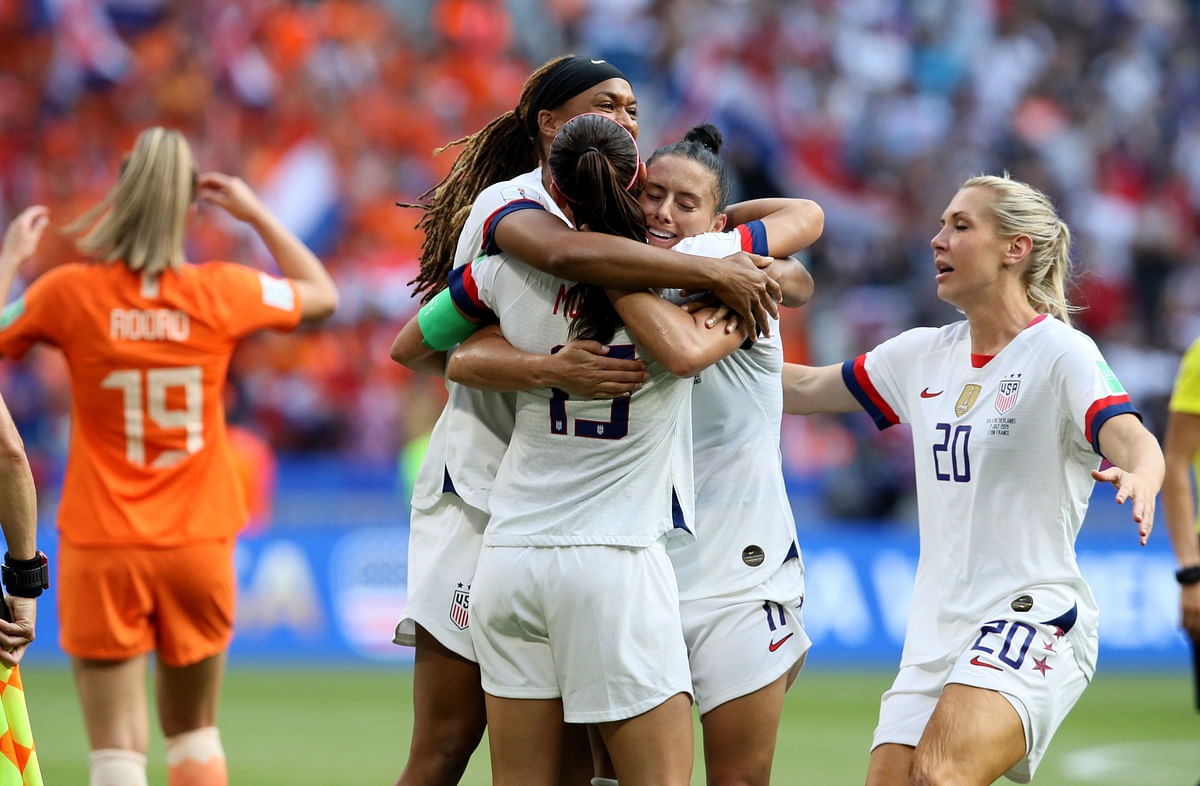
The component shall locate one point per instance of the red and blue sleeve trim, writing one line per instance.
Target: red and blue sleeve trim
(1099, 413)
(854, 374)
(489, 226)
(465, 293)
(678, 520)
(754, 237)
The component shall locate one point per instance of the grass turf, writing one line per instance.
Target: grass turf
(300, 726)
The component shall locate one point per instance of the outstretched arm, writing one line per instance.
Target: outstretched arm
(1181, 447)
(545, 242)
(318, 295)
(1125, 442)
(811, 389)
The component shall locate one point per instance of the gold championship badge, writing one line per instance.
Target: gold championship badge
(966, 399)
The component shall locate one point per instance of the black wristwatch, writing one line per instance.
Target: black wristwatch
(1188, 576)
(25, 578)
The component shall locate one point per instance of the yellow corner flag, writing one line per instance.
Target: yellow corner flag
(18, 759)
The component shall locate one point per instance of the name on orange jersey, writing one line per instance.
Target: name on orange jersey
(149, 324)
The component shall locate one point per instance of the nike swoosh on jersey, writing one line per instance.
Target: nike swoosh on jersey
(777, 644)
(977, 662)
(926, 394)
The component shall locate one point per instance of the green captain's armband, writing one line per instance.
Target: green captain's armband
(442, 325)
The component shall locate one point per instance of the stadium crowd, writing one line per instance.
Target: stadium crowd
(876, 109)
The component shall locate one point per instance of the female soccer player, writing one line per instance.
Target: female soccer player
(741, 580)
(1011, 410)
(721, 585)
(583, 502)
(473, 209)
(150, 501)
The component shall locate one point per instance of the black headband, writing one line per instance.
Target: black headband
(566, 79)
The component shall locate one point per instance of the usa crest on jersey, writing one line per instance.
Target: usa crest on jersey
(460, 606)
(1006, 397)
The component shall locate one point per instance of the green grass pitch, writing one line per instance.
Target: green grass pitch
(301, 726)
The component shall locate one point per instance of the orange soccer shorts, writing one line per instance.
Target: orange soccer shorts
(119, 602)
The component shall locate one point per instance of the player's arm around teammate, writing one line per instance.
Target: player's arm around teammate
(642, 716)
(1181, 444)
(738, 687)
(1125, 442)
(18, 498)
(583, 369)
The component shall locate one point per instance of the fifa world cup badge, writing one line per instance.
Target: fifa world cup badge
(966, 399)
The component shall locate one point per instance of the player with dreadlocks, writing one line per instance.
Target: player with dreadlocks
(585, 500)
(477, 210)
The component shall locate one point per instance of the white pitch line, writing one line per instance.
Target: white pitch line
(1169, 763)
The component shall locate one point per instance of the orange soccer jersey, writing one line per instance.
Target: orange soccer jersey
(149, 461)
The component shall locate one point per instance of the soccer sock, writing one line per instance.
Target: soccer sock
(604, 782)
(196, 758)
(116, 767)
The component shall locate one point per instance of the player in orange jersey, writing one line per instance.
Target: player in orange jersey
(151, 499)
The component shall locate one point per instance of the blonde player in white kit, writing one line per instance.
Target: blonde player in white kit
(584, 501)
(1011, 411)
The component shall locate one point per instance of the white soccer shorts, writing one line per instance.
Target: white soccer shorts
(1030, 663)
(597, 626)
(443, 549)
(740, 643)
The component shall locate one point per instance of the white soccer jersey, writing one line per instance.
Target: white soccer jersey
(744, 526)
(1004, 454)
(471, 434)
(579, 472)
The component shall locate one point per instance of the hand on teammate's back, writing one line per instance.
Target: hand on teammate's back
(747, 288)
(586, 369)
(721, 313)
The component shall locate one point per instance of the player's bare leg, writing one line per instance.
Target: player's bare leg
(739, 736)
(602, 766)
(112, 694)
(890, 765)
(575, 766)
(973, 737)
(525, 737)
(448, 715)
(188, 695)
(654, 748)
(187, 711)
